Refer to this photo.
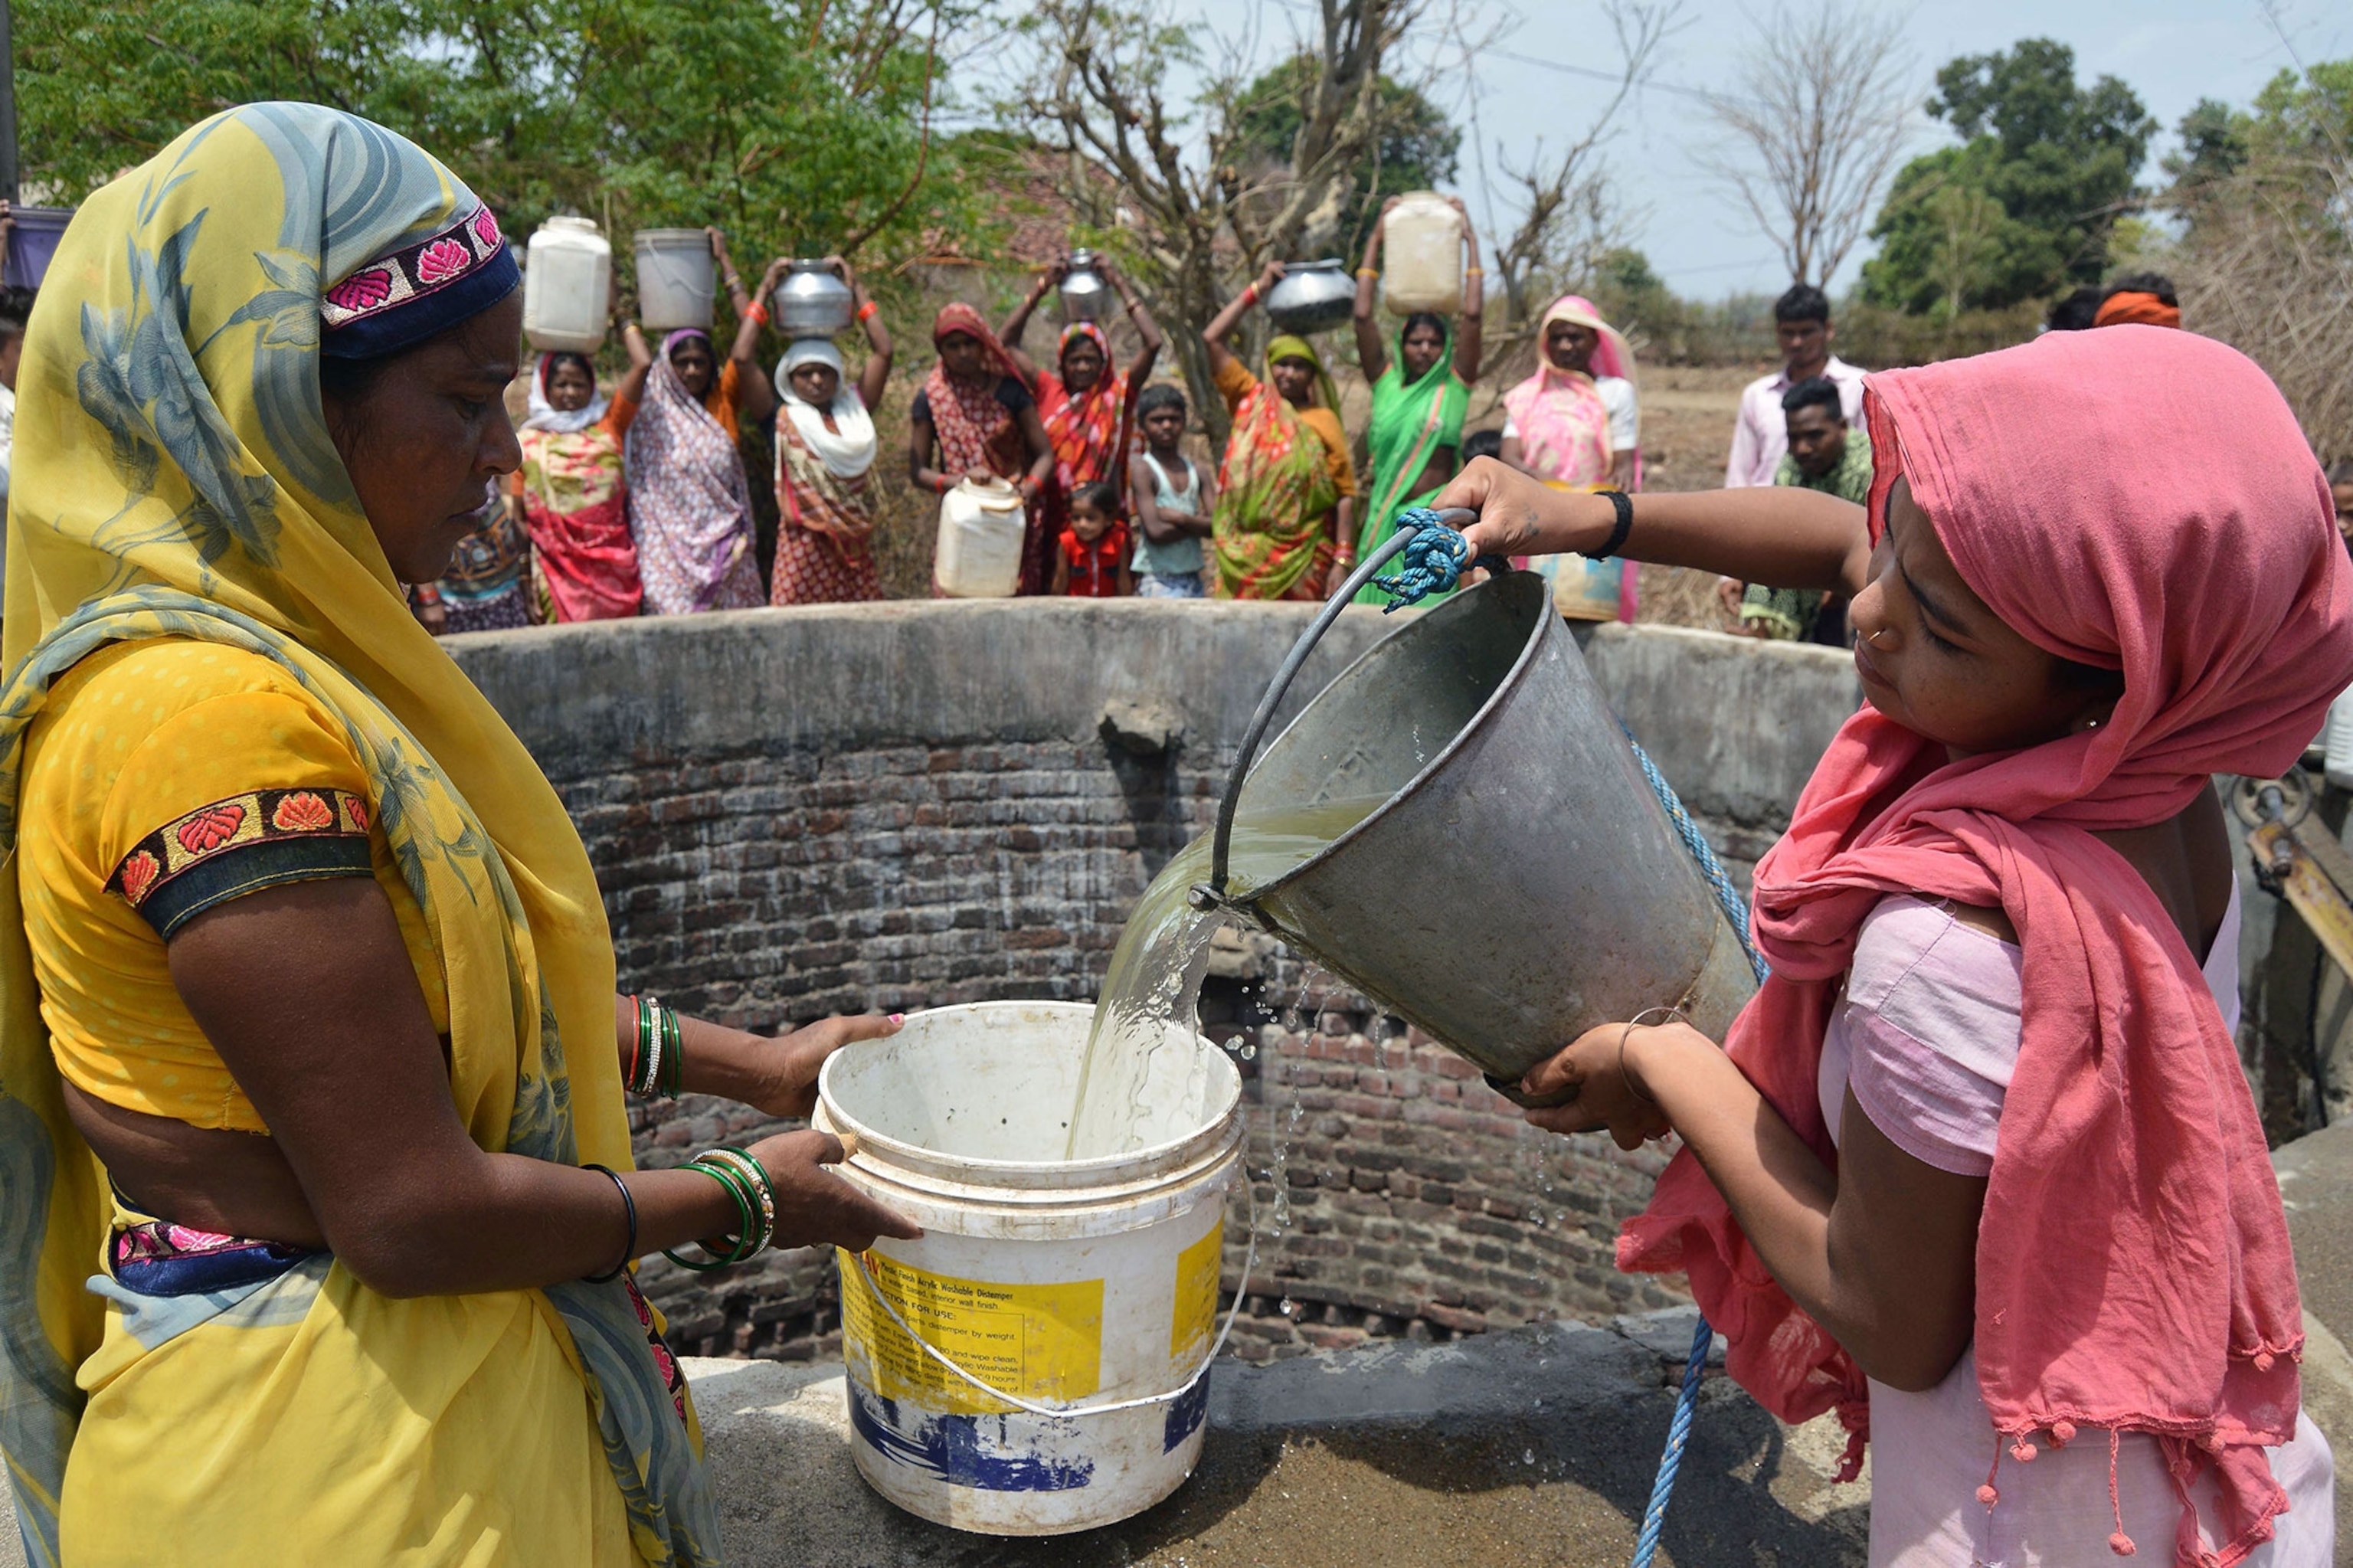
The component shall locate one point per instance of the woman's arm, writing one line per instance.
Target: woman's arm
(1041, 453)
(874, 379)
(920, 441)
(1018, 323)
(755, 394)
(776, 1074)
(307, 992)
(631, 387)
(1470, 339)
(1882, 1254)
(1787, 535)
(1372, 354)
(1147, 331)
(1622, 468)
(1222, 325)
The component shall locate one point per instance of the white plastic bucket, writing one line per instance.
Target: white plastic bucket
(674, 279)
(982, 529)
(567, 288)
(1086, 1289)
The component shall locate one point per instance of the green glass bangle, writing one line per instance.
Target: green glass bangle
(745, 1213)
(674, 1049)
(762, 1191)
(753, 1234)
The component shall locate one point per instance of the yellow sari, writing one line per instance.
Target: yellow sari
(175, 479)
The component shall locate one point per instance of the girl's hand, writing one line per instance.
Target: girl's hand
(1518, 513)
(1600, 1069)
(816, 1208)
(785, 1069)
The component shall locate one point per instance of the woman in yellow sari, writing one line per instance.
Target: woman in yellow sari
(308, 1044)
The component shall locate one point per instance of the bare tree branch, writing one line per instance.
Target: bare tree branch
(1828, 105)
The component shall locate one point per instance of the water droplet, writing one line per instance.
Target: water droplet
(1527, 1455)
(1249, 1052)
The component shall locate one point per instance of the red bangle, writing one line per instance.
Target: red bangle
(758, 312)
(866, 310)
(1249, 295)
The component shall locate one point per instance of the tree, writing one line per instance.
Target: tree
(805, 124)
(2060, 160)
(1825, 108)
(1192, 216)
(2266, 261)
(1414, 146)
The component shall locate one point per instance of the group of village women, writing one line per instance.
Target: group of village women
(637, 500)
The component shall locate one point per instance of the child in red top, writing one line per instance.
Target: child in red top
(1091, 559)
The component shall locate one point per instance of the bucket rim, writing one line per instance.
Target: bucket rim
(1067, 1180)
(1446, 754)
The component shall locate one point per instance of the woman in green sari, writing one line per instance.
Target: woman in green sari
(1419, 396)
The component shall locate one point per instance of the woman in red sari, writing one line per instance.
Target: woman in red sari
(569, 493)
(974, 418)
(1088, 407)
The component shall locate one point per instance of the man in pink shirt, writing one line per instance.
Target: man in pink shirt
(1801, 319)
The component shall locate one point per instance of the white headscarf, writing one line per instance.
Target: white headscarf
(546, 416)
(847, 450)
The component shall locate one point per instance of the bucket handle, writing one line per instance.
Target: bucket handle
(1212, 893)
(1242, 1291)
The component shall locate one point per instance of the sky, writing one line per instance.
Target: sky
(1698, 235)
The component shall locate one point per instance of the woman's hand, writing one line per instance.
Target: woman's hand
(1600, 1069)
(782, 1071)
(840, 267)
(978, 476)
(1269, 276)
(816, 1208)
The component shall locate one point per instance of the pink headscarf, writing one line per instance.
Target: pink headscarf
(2133, 1262)
(1563, 424)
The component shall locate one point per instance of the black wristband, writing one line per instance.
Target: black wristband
(629, 1247)
(1623, 504)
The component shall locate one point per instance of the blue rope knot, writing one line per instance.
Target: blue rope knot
(1435, 560)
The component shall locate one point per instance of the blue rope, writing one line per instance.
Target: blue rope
(1735, 909)
(1435, 560)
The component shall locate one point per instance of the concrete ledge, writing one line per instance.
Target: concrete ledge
(1536, 1446)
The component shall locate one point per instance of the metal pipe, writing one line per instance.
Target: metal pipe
(1211, 893)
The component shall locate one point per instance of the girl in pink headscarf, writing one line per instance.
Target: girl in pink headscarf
(1978, 1168)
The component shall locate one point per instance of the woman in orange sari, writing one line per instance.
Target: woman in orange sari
(1088, 407)
(1286, 490)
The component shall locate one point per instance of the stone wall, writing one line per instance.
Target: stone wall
(899, 806)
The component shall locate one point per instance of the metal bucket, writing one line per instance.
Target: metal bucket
(1520, 883)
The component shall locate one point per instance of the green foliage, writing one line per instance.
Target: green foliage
(796, 124)
(2024, 205)
(1416, 150)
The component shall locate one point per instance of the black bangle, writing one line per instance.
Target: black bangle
(629, 1247)
(1623, 504)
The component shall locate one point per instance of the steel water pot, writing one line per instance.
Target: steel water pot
(1085, 292)
(1520, 883)
(811, 302)
(1311, 296)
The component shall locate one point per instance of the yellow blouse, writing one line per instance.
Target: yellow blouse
(164, 777)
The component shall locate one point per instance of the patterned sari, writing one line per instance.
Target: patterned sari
(180, 483)
(1411, 422)
(578, 511)
(690, 504)
(1275, 494)
(1089, 429)
(974, 430)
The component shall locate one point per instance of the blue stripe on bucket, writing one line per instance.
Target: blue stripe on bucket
(952, 1448)
(1185, 1415)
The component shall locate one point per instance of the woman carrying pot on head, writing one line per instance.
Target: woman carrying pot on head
(1088, 406)
(974, 418)
(1576, 423)
(1418, 398)
(569, 494)
(689, 502)
(308, 1020)
(1978, 1168)
(1286, 490)
(825, 465)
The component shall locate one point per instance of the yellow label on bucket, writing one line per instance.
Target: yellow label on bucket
(1197, 1294)
(1034, 1342)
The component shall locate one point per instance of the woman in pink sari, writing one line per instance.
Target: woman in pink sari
(1978, 1168)
(569, 494)
(1576, 424)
